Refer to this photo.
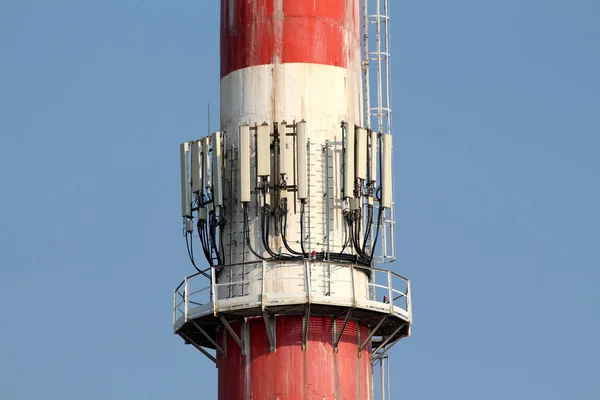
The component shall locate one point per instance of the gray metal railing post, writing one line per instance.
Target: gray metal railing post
(307, 277)
(213, 289)
(186, 298)
(264, 285)
(373, 287)
(352, 280)
(391, 292)
(174, 308)
(408, 302)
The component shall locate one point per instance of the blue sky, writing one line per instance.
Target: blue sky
(497, 125)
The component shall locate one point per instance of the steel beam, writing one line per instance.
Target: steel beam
(387, 340)
(234, 335)
(339, 336)
(207, 336)
(270, 326)
(372, 333)
(202, 350)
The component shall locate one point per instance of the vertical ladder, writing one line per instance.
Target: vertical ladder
(377, 100)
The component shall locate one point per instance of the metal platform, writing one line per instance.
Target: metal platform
(377, 298)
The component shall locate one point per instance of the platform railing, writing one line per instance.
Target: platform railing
(368, 288)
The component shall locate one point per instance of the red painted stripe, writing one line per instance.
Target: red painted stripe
(256, 32)
(291, 373)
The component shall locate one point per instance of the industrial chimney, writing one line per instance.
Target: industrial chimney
(291, 204)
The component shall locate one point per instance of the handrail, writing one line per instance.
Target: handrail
(183, 281)
(295, 263)
(187, 296)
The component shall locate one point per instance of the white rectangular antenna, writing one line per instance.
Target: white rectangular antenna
(373, 166)
(282, 149)
(386, 173)
(206, 162)
(349, 160)
(186, 210)
(217, 170)
(301, 156)
(196, 168)
(263, 150)
(244, 163)
(361, 154)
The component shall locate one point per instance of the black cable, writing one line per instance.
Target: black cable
(264, 233)
(378, 190)
(376, 234)
(221, 225)
(211, 231)
(265, 230)
(378, 197)
(246, 230)
(190, 249)
(346, 232)
(368, 227)
(357, 232)
(354, 240)
(213, 238)
(204, 241)
(349, 258)
(283, 230)
(302, 229)
(190, 243)
(222, 252)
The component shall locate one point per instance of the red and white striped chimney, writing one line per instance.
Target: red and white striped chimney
(292, 60)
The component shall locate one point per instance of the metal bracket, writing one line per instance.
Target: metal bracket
(234, 335)
(305, 323)
(270, 326)
(264, 286)
(372, 333)
(207, 336)
(339, 336)
(202, 350)
(383, 353)
(386, 341)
